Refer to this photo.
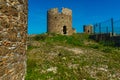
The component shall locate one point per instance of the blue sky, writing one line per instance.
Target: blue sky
(84, 12)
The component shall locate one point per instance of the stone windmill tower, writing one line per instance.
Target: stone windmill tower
(88, 29)
(60, 22)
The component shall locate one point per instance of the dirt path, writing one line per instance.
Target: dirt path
(75, 50)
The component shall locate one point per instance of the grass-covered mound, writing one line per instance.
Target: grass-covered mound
(75, 57)
(74, 40)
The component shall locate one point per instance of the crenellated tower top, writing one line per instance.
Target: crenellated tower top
(65, 11)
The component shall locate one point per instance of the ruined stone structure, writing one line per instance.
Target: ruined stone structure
(88, 29)
(60, 22)
(13, 35)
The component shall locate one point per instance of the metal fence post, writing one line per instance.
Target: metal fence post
(100, 28)
(94, 28)
(107, 29)
(112, 26)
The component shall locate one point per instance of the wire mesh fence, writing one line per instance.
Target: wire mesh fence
(108, 31)
(116, 25)
(108, 26)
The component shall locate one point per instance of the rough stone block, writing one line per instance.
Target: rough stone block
(13, 34)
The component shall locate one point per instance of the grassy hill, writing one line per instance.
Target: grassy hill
(76, 57)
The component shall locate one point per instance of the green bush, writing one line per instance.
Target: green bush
(30, 47)
(94, 46)
(107, 43)
(107, 50)
(40, 37)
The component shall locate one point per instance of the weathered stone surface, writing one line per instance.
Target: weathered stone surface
(88, 29)
(60, 23)
(13, 36)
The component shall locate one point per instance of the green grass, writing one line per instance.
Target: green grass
(96, 62)
(74, 40)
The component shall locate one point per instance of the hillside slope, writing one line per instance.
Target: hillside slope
(57, 57)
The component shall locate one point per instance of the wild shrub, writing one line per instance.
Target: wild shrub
(41, 37)
(94, 46)
(107, 50)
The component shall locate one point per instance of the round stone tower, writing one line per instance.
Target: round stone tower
(87, 29)
(60, 22)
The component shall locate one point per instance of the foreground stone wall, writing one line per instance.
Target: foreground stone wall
(60, 22)
(13, 35)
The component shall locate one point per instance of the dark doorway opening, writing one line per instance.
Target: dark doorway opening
(88, 31)
(64, 30)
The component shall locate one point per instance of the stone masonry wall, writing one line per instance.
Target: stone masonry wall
(60, 22)
(88, 29)
(13, 35)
